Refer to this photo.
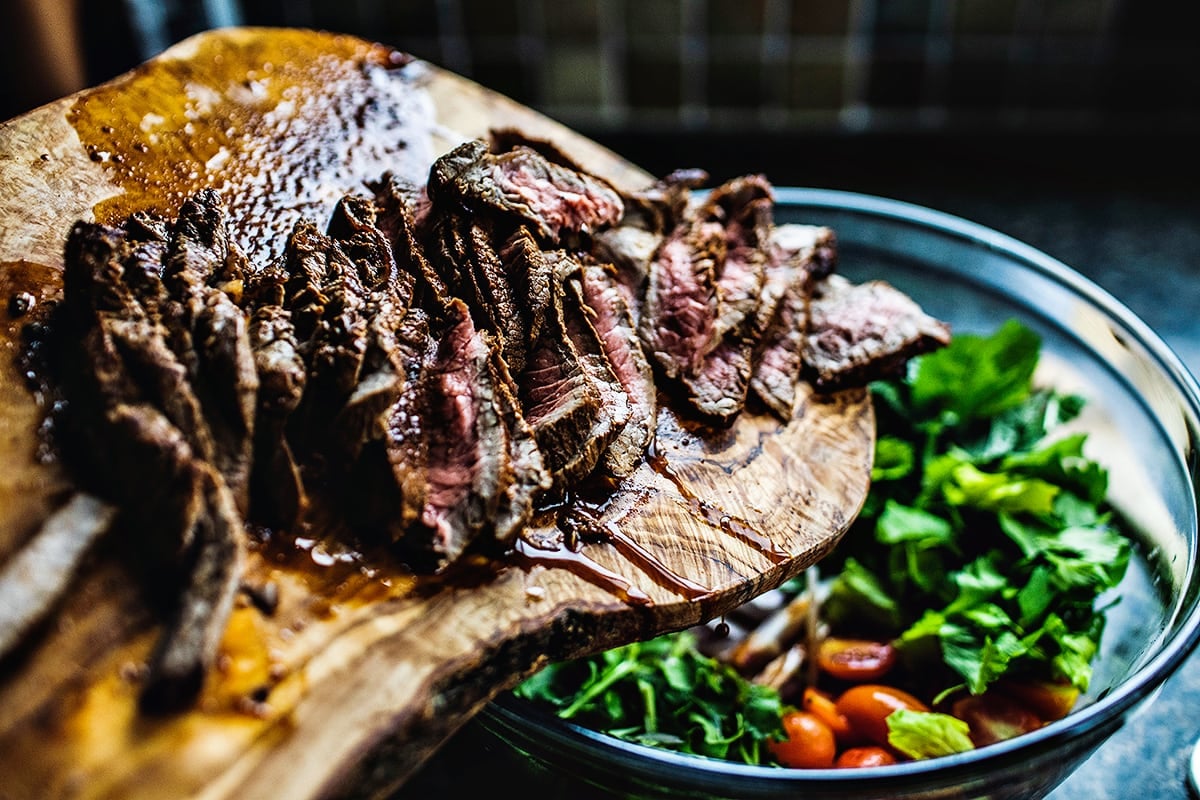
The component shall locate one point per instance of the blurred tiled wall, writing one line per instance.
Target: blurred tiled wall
(780, 65)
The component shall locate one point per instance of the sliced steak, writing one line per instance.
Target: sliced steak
(522, 185)
(678, 326)
(800, 255)
(862, 332)
(388, 486)
(277, 491)
(597, 290)
(468, 467)
(577, 322)
(203, 263)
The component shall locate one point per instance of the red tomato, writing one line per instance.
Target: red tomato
(822, 705)
(994, 717)
(1048, 700)
(809, 743)
(865, 757)
(855, 660)
(867, 707)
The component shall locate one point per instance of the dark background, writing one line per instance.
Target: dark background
(1070, 124)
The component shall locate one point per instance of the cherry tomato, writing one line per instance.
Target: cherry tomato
(1047, 699)
(809, 743)
(855, 660)
(867, 706)
(822, 705)
(993, 717)
(869, 756)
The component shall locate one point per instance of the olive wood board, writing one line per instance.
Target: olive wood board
(363, 669)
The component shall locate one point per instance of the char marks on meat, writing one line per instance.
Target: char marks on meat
(435, 362)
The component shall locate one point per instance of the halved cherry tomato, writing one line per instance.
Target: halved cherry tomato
(1048, 700)
(994, 717)
(869, 756)
(867, 706)
(822, 705)
(809, 743)
(855, 660)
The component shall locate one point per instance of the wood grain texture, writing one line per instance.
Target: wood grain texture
(363, 669)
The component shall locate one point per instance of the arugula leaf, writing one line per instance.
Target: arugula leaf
(927, 734)
(664, 693)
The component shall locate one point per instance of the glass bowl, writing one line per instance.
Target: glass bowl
(1142, 417)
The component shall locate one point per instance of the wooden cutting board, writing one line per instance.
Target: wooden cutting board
(362, 670)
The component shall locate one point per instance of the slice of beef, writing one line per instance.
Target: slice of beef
(743, 206)
(148, 444)
(862, 332)
(800, 255)
(597, 289)
(388, 488)
(741, 209)
(117, 355)
(577, 321)
(278, 496)
(563, 389)
(522, 185)
(631, 250)
(468, 467)
(188, 648)
(203, 263)
(324, 290)
(471, 268)
(530, 477)
(403, 211)
(503, 140)
(355, 224)
(379, 385)
(678, 325)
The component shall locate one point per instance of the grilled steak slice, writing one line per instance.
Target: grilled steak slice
(471, 268)
(388, 486)
(189, 646)
(800, 255)
(523, 186)
(576, 321)
(743, 208)
(530, 478)
(468, 467)
(277, 491)
(678, 326)
(859, 333)
(631, 251)
(402, 210)
(117, 356)
(597, 290)
(563, 386)
(664, 204)
(202, 256)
